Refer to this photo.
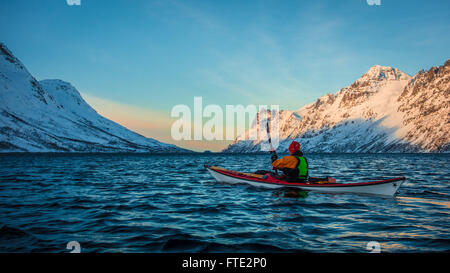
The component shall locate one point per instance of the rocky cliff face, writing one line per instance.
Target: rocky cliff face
(51, 116)
(425, 104)
(385, 110)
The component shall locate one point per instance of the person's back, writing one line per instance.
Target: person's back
(294, 166)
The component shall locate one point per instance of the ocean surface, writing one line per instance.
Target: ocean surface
(169, 203)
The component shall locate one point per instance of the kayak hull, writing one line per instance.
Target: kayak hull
(384, 187)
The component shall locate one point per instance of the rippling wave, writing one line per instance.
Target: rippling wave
(169, 203)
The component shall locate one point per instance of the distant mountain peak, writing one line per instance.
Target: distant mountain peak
(9, 57)
(383, 73)
(63, 93)
(371, 81)
(61, 86)
(4, 50)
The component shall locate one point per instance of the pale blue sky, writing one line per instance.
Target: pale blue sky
(156, 54)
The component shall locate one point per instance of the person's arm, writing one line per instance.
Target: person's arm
(285, 162)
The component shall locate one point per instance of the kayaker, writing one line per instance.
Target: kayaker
(293, 166)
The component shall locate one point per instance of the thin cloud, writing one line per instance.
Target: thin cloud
(173, 11)
(255, 77)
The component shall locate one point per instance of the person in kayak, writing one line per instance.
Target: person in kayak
(294, 166)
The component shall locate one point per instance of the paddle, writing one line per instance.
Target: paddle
(272, 150)
(268, 136)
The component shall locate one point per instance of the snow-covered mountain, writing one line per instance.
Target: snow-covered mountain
(385, 110)
(51, 116)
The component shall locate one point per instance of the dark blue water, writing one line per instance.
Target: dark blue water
(169, 203)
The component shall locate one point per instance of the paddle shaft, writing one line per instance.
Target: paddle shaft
(270, 141)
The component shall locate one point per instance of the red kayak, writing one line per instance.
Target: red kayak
(382, 187)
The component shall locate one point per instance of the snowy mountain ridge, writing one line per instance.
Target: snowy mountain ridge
(51, 116)
(385, 110)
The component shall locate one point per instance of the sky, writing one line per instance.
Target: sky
(133, 61)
